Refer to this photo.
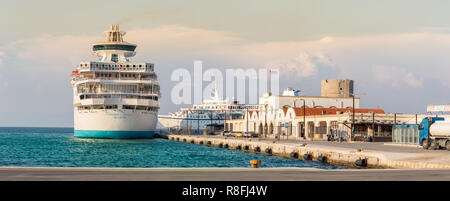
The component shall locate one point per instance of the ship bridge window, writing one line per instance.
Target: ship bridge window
(114, 58)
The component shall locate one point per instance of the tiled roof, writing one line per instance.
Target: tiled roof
(329, 111)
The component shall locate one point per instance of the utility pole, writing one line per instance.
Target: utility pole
(225, 127)
(353, 116)
(247, 120)
(187, 127)
(353, 111)
(198, 123)
(373, 127)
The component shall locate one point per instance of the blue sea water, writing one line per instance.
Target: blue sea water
(56, 147)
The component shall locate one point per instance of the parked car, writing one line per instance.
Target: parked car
(250, 134)
(238, 134)
(227, 133)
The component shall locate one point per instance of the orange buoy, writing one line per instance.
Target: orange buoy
(255, 163)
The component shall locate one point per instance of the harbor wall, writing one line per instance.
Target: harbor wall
(333, 156)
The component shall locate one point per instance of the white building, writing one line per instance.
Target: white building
(292, 98)
(321, 122)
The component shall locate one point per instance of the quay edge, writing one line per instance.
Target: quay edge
(338, 156)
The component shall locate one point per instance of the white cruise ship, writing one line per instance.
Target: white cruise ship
(210, 112)
(115, 98)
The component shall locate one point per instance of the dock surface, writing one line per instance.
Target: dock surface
(219, 174)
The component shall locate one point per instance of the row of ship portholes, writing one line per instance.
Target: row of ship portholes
(89, 96)
(115, 107)
(116, 67)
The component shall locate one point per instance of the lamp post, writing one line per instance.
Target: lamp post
(304, 115)
(353, 111)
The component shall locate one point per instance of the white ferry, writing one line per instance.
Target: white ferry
(115, 98)
(212, 111)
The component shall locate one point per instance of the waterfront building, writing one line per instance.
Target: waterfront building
(335, 114)
(335, 94)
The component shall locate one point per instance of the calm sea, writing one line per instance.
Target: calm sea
(56, 147)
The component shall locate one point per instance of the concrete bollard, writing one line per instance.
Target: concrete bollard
(255, 163)
(362, 162)
(307, 157)
(294, 155)
(322, 159)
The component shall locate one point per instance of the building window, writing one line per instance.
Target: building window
(114, 58)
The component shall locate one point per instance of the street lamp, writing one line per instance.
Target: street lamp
(353, 110)
(304, 115)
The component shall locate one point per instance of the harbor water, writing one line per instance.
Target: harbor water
(56, 147)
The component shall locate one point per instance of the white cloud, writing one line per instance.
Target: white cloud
(412, 81)
(399, 60)
(303, 65)
(1, 59)
(395, 77)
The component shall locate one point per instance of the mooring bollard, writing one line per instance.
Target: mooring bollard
(294, 155)
(322, 159)
(307, 157)
(362, 162)
(255, 163)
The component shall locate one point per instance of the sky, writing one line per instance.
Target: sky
(395, 51)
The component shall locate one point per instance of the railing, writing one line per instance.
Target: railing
(117, 93)
(115, 79)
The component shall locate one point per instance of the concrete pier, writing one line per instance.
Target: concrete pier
(380, 156)
(219, 174)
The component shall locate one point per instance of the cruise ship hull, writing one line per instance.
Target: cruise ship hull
(114, 124)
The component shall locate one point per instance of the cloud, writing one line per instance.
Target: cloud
(385, 75)
(412, 81)
(303, 65)
(42, 65)
(395, 77)
(1, 59)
